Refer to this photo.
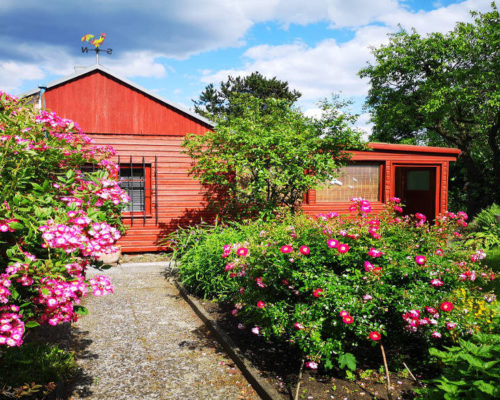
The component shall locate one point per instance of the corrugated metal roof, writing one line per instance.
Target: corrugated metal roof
(98, 67)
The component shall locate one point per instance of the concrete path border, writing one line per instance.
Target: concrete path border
(265, 390)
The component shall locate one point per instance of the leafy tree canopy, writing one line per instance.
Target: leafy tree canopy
(215, 103)
(444, 89)
(269, 154)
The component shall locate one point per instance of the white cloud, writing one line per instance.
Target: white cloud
(316, 71)
(142, 32)
(136, 64)
(13, 73)
(364, 125)
(313, 113)
(328, 66)
(339, 13)
(442, 19)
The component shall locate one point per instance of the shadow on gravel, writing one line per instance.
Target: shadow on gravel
(72, 339)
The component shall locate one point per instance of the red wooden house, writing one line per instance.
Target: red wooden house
(147, 131)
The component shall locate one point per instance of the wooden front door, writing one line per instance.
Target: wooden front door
(416, 187)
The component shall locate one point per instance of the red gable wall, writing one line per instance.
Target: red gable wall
(101, 104)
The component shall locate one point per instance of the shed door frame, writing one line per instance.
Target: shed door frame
(438, 176)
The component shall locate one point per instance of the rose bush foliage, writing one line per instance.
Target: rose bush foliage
(333, 283)
(55, 219)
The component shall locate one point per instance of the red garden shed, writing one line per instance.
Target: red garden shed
(147, 131)
(418, 175)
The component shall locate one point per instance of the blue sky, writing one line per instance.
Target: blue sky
(176, 47)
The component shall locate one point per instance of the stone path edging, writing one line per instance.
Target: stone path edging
(146, 342)
(265, 390)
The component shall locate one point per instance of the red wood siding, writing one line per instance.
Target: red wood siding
(102, 104)
(180, 198)
(117, 114)
(392, 156)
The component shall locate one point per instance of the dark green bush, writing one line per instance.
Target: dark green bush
(197, 252)
(471, 369)
(334, 284)
(486, 228)
(41, 364)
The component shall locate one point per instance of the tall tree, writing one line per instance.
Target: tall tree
(215, 103)
(444, 89)
(269, 154)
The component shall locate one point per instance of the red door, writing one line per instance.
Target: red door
(416, 187)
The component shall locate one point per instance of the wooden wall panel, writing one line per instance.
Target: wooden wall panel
(180, 197)
(102, 104)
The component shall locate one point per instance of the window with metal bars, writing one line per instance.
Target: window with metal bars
(135, 179)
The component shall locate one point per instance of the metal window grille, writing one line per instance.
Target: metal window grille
(136, 177)
(133, 181)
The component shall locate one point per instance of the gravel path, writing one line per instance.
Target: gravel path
(145, 342)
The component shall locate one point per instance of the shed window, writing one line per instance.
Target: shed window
(354, 180)
(135, 179)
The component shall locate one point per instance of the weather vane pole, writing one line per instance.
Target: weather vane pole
(96, 43)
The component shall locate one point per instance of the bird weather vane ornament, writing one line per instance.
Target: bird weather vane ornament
(96, 42)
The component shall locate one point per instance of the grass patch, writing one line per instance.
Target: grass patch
(34, 366)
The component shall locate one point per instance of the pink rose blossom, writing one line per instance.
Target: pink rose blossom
(242, 252)
(430, 310)
(259, 282)
(447, 306)
(343, 248)
(451, 325)
(304, 250)
(420, 260)
(311, 365)
(437, 282)
(374, 252)
(332, 243)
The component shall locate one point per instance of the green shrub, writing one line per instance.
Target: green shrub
(55, 219)
(471, 369)
(486, 228)
(41, 364)
(197, 251)
(334, 284)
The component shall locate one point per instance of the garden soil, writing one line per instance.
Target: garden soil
(280, 367)
(145, 342)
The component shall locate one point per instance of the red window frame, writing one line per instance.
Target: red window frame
(311, 196)
(147, 188)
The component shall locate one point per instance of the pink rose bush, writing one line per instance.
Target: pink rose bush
(57, 216)
(364, 279)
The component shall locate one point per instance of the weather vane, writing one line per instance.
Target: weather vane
(96, 43)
